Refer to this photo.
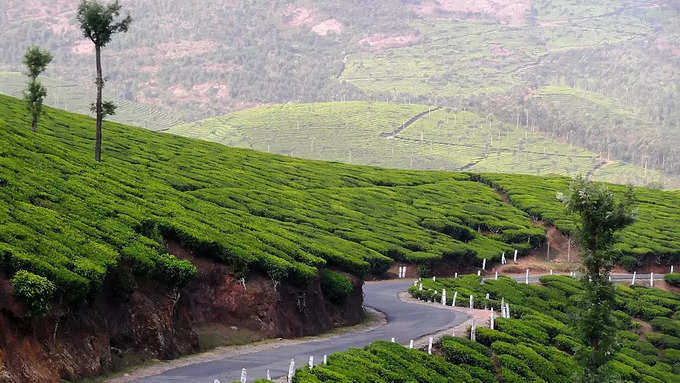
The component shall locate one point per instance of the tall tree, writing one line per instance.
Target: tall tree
(99, 22)
(36, 61)
(602, 215)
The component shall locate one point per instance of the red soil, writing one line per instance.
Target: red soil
(382, 41)
(512, 12)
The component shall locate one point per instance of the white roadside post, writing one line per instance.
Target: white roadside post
(496, 275)
(634, 275)
(325, 359)
(526, 278)
(269, 375)
(244, 375)
(473, 336)
(492, 319)
(651, 279)
(291, 370)
(551, 272)
(434, 279)
(479, 273)
(503, 259)
(311, 362)
(410, 344)
(444, 297)
(455, 295)
(569, 251)
(455, 276)
(484, 264)
(472, 305)
(671, 269)
(610, 277)
(429, 346)
(392, 340)
(515, 257)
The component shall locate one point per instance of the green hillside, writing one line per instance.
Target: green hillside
(425, 138)
(77, 98)
(74, 221)
(653, 235)
(535, 344)
(77, 222)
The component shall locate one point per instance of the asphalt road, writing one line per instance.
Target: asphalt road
(404, 322)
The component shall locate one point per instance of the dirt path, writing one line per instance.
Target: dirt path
(408, 123)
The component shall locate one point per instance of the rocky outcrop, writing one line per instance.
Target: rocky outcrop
(153, 321)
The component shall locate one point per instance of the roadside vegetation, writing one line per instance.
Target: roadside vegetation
(80, 224)
(537, 343)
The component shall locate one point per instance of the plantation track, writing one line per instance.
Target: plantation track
(495, 150)
(404, 322)
(410, 122)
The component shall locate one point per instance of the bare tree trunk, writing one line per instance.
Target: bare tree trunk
(34, 125)
(98, 107)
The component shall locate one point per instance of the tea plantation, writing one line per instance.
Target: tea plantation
(76, 223)
(407, 136)
(77, 98)
(535, 345)
(654, 233)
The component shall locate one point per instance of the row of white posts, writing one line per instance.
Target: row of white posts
(505, 313)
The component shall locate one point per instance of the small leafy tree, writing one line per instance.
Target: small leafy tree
(36, 61)
(99, 22)
(602, 215)
(34, 291)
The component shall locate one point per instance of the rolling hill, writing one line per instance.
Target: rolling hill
(73, 221)
(410, 136)
(499, 58)
(77, 99)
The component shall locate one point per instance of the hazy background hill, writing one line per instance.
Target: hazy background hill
(602, 76)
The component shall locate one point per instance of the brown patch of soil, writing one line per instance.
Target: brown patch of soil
(512, 12)
(155, 322)
(317, 23)
(380, 41)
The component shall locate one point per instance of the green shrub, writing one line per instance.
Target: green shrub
(667, 326)
(335, 286)
(459, 351)
(34, 291)
(673, 279)
(487, 336)
(173, 271)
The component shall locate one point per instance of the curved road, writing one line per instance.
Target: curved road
(404, 322)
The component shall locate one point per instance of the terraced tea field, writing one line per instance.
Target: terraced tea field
(77, 99)
(406, 136)
(458, 58)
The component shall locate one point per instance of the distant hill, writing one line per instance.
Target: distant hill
(410, 136)
(77, 98)
(199, 59)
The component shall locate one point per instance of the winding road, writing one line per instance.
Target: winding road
(404, 322)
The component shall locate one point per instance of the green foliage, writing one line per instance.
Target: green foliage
(655, 231)
(36, 61)
(335, 286)
(34, 291)
(673, 279)
(99, 22)
(71, 222)
(601, 217)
